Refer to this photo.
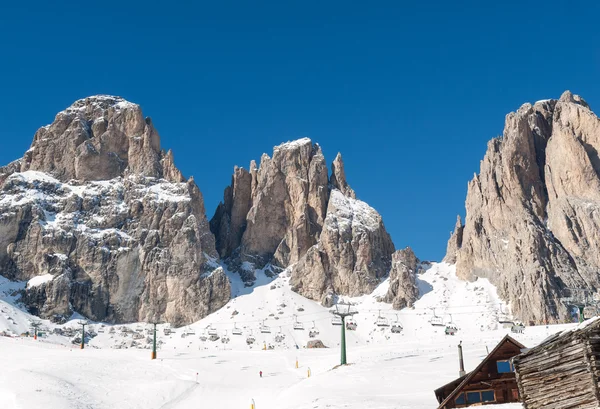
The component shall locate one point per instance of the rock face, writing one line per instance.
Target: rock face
(352, 256)
(455, 242)
(97, 208)
(403, 290)
(315, 343)
(533, 212)
(338, 177)
(289, 212)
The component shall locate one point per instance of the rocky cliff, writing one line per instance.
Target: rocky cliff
(99, 220)
(403, 290)
(290, 211)
(533, 211)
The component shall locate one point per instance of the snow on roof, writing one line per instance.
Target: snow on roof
(579, 327)
(39, 280)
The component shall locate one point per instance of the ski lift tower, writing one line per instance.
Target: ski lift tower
(343, 311)
(153, 323)
(580, 298)
(35, 325)
(83, 323)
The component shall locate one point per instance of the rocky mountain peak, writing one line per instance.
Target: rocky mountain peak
(99, 138)
(98, 207)
(568, 96)
(273, 213)
(289, 212)
(531, 224)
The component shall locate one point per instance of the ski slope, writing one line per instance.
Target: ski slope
(386, 370)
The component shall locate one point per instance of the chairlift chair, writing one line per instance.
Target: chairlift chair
(279, 337)
(236, 330)
(504, 319)
(396, 326)
(314, 329)
(250, 339)
(381, 321)
(225, 338)
(351, 325)
(436, 320)
(451, 329)
(298, 325)
(212, 331)
(518, 328)
(264, 329)
(191, 331)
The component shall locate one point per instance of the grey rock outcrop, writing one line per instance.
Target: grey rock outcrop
(352, 256)
(455, 242)
(533, 223)
(338, 177)
(272, 215)
(403, 290)
(300, 216)
(97, 208)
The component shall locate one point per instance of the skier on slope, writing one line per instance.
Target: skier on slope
(260, 374)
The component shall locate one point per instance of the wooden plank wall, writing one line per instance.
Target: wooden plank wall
(558, 377)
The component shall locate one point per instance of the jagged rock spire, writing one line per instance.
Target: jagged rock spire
(299, 216)
(338, 177)
(455, 242)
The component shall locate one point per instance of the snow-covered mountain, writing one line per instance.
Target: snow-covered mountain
(291, 212)
(99, 221)
(99, 210)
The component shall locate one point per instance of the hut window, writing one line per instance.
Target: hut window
(505, 366)
(461, 399)
(488, 396)
(474, 397)
(480, 396)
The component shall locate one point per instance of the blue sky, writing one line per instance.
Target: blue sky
(409, 92)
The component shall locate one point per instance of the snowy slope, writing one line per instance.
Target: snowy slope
(387, 370)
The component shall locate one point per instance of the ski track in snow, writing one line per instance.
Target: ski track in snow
(387, 370)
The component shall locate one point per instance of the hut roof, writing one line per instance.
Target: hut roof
(470, 375)
(583, 330)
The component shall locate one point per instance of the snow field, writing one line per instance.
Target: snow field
(386, 370)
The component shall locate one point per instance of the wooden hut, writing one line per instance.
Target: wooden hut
(563, 371)
(493, 381)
